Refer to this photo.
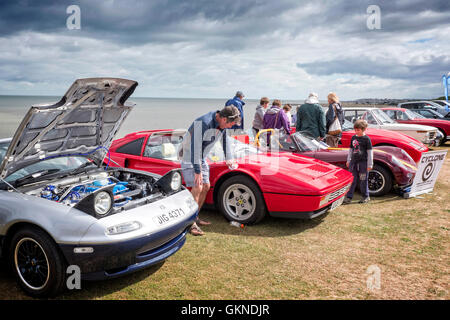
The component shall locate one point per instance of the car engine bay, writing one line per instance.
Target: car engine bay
(125, 189)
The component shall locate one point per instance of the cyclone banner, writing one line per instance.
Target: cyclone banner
(427, 172)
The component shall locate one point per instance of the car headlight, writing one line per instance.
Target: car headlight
(123, 228)
(175, 184)
(102, 203)
(170, 182)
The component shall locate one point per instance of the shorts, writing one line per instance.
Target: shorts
(187, 170)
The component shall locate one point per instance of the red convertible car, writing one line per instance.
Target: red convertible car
(402, 115)
(281, 184)
(393, 167)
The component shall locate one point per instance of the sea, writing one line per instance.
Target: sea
(147, 114)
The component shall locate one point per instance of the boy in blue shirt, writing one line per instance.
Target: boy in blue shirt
(360, 161)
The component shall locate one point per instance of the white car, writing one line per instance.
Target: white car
(440, 106)
(61, 207)
(446, 106)
(376, 118)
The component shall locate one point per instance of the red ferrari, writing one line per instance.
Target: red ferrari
(402, 115)
(393, 167)
(281, 184)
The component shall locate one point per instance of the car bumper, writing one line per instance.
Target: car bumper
(308, 215)
(119, 258)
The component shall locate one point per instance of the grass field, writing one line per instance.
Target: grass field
(407, 239)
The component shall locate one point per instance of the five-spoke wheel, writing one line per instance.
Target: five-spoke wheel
(240, 199)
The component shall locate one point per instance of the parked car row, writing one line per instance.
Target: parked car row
(406, 116)
(376, 118)
(393, 167)
(70, 195)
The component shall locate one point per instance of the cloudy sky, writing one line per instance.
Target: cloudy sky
(211, 48)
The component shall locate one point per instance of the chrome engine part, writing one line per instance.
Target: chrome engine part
(70, 191)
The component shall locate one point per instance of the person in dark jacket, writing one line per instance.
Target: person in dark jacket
(334, 109)
(311, 118)
(238, 103)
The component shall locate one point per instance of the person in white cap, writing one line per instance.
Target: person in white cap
(311, 118)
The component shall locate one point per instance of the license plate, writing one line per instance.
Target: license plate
(168, 216)
(337, 203)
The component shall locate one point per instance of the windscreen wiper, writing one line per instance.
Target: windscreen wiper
(34, 175)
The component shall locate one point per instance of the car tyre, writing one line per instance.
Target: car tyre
(37, 263)
(380, 181)
(240, 200)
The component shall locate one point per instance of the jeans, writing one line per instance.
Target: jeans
(361, 175)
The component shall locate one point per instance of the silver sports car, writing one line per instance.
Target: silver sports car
(60, 207)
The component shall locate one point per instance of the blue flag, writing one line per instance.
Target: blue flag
(445, 80)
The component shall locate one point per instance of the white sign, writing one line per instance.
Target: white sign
(429, 166)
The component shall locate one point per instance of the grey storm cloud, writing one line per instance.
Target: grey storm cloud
(133, 21)
(163, 40)
(383, 68)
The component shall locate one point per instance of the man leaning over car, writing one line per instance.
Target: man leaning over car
(201, 136)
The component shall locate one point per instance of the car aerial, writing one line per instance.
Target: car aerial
(376, 118)
(407, 116)
(279, 184)
(431, 114)
(393, 167)
(59, 207)
(434, 105)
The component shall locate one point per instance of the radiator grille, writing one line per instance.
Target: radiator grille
(338, 193)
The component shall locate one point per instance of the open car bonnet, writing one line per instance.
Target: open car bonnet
(85, 120)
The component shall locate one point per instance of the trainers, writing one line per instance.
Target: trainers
(364, 200)
(347, 201)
